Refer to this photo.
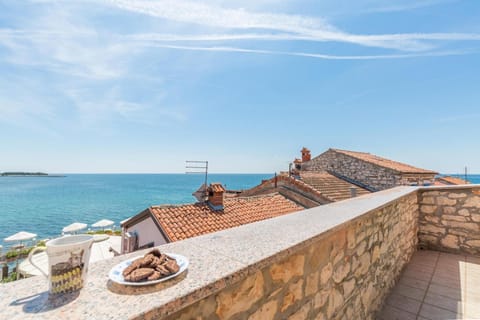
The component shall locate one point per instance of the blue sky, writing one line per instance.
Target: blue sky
(142, 86)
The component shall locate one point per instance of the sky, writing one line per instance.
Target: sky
(119, 86)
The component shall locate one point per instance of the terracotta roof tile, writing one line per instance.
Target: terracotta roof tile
(331, 186)
(190, 220)
(382, 162)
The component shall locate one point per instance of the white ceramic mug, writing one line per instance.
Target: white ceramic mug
(68, 259)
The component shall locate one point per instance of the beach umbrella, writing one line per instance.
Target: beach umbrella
(76, 226)
(20, 236)
(102, 223)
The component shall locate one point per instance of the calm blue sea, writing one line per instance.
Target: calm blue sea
(45, 205)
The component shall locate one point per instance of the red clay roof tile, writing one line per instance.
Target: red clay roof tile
(189, 220)
(382, 162)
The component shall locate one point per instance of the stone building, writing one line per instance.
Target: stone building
(364, 169)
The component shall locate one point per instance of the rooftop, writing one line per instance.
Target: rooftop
(332, 187)
(190, 220)
(383, 162)
(450, 180)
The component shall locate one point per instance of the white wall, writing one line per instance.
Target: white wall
(147, 232)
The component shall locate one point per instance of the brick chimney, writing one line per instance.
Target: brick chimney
(216, 195)
(306, 156)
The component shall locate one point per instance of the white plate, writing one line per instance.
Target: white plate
(116, 273)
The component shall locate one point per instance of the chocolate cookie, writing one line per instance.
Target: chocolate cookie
(163, 271)
(139, 274)
(172, 266)
(147, 260)
(155, 276)
(155, 252)
(133, 266)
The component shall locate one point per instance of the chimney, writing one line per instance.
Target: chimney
(216, 195)
(306, 156)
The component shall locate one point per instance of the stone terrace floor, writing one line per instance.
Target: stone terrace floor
(436, 285)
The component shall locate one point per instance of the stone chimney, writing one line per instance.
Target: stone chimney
(216, 196)
(306, 156)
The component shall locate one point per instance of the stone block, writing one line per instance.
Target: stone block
(463, 212)
(364, 264)
(241, 297)
(375, 253)
(267, 311)
(475, 217)
(367, 296)
(457, 195)
(431, 193)
(432, 229)
(427, 209)
(462, 225)
(348, 287)
(335, 301)
(326, 274)
(450, 241)
(294, 293)
(351, 241)
(472, 202)
(361, 248)
(321, 298)
(433, 219)
(302, 313)
(288, 269)
(341, 271)
(474, 243)
(453, 218)
(445, 201)
(311, 286)
(428, 200)
(449, 210)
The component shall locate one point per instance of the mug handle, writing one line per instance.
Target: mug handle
(30, 255)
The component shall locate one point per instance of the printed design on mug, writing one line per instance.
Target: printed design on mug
(67, 276)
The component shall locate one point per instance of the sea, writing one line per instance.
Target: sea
(44, 205)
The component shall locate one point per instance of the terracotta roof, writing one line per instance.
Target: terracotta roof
(382, 162)
(217, 187)
(331, 186)
(449, 180)
(190, 220)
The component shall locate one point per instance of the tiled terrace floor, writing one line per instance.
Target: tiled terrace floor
(436, 285)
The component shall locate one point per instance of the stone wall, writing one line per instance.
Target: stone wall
(450, 219)
(371, 175)
(344, 273)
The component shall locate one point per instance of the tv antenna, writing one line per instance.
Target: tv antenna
(196, 167)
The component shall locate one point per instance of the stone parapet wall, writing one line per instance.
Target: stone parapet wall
(344, 273)
(374, 176)
(450, 219)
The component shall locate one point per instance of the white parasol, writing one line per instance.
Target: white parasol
(102, 223)
(76, 226)
(20, 236)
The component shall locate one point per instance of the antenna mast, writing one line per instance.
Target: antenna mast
(197, 166)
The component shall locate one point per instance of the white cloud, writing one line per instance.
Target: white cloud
(315, 55)
(293, 26)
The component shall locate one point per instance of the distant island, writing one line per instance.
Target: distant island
(30, 174)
